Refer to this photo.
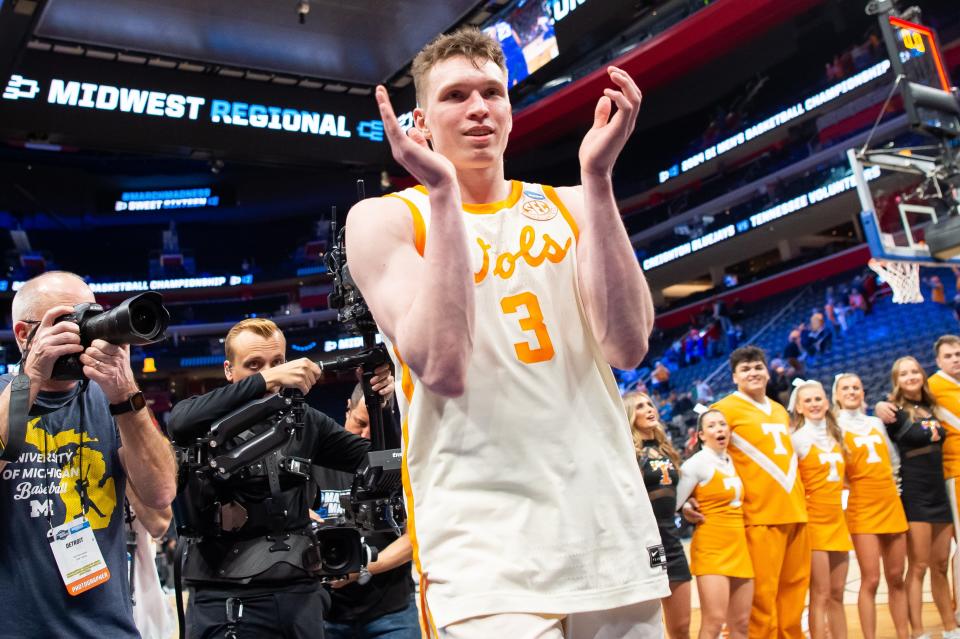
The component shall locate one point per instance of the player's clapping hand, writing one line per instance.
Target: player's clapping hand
(606, 138)
(411, 150)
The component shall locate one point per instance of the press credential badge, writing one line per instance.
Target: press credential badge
(78, 556)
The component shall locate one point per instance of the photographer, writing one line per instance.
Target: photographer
(250, 579)
(377, 602)
(79, 451)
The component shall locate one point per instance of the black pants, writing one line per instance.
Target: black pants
(295, 612)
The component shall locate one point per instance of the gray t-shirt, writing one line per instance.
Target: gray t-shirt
(39, 490)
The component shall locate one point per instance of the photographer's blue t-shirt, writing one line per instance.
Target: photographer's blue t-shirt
(39, 490)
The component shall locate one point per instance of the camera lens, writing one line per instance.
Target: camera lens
(334, 557)
(143, 321)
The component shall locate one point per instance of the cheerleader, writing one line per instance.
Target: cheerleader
(719, 556)
(918, 436)
(874, 513)
(660, 465)
(817, 441)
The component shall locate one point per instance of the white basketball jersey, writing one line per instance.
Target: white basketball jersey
(524, 494)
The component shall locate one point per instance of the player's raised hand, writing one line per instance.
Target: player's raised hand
(411, 150)
(606, 138)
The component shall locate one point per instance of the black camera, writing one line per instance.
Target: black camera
(141, 319)
(336, 551)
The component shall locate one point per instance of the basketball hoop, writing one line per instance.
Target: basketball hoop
(903, 278)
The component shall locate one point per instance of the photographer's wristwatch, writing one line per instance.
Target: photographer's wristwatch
(365, 576)
(134, 403)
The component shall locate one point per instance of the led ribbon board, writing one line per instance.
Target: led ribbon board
(134, 286)
(758, 219)
(81, 101)
(777, 120)
(166, 199)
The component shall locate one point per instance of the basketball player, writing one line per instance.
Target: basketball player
(817, 439)
(504, 304)
(773, 501)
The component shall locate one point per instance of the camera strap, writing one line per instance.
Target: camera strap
(19, 408)
(17, 418)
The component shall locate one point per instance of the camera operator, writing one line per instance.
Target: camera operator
(251, 581)
(80, 451)
(378, 601)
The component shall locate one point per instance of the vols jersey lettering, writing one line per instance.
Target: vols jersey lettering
(870, 442)
(734, 483)
(779, 431)
(506, 262)
(832, 459)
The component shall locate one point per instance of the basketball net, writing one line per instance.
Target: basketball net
(903, 278)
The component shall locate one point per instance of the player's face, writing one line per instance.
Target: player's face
(358, 420)
(647, 417)
(467, 116)
(253, 354)
(714, 431)
(812, 402)
(909, 377)
(850, 393)
(751, 377)
(948, 359)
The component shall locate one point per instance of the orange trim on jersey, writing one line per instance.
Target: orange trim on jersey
(426, 617)
(495, 207)
(406, 379)
(419, 228)
(516, 188)
(551, 194)
(408, 387)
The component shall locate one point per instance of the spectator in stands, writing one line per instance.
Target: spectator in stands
(858, 305)
(956, 306)
(660, 377)
(818, 443)
(874, 512)
(836, 314)
(820, 336)
(778, 387)
(773, 500)
(794, 353)
(918, 436)
(660, 465)
(704, 392)
(937, 293)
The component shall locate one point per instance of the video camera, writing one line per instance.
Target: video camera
(375, 502)
(141, 319)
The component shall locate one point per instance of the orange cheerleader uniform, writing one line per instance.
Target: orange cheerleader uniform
(821, 471)
(873, 506)
(774, 513)
(719, 545)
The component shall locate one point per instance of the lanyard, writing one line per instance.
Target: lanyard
(82, 480)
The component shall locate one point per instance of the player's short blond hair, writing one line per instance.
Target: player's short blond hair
(470, 42)
(263, 327)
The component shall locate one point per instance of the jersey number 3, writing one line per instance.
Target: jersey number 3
(532, 322)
